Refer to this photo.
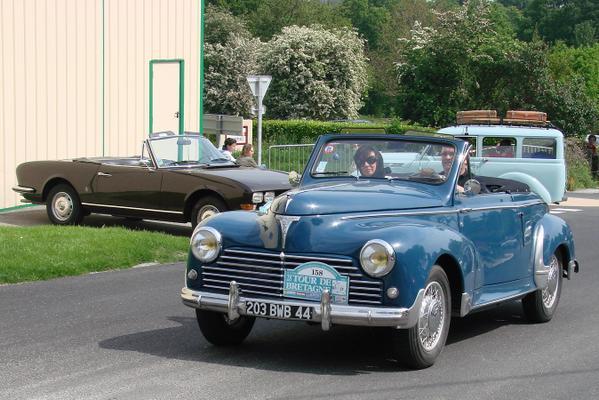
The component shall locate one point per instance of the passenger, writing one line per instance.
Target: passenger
(229, 148)
(505, 149)
(247, 156)
(369, 162)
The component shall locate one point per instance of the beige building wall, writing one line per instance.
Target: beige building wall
(74, 76)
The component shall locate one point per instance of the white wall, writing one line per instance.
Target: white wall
(74, 76)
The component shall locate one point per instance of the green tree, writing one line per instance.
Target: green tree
(465, 63)
(230, 54)
(368, 18)
(271, 16)
(317, 73)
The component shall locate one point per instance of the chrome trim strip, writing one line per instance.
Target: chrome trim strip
(209, 270)
(257, 253)
(23, 189)
(501, 300)
(398, 214)
(513, 205)
(541, 276)
(440, 212)
(398, 317)
(466, 304)
(131, 208)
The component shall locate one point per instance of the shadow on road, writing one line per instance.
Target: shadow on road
(292, 346)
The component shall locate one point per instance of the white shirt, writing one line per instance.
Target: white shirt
(228, 155)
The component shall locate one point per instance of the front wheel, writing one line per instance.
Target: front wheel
(539, 306)
(418, 347)
(206, 207)
(63, 206)
(220, 331)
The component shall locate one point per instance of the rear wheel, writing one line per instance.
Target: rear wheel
(418, 347)
(540, 305)
(206, 207)
(63, 205)
(220, 331)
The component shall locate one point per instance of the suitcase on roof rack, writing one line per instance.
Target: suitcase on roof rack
(529, 117)
(477, 116)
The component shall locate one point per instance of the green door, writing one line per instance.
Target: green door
(166, 96)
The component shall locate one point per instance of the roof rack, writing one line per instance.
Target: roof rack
(513, 117)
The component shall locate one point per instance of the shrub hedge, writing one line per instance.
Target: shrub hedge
(307, 131)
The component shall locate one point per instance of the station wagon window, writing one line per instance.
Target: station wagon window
(385, 159)
(504, 147)
(539, 148)
(472, 141)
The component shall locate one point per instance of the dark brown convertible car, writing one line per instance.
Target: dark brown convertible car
(176, 178)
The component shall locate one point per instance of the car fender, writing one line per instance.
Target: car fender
(551, 233)
(535, 185)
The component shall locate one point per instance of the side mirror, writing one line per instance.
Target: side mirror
(472, 187)
(294, 178)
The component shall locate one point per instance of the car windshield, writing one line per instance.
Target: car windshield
(185, 150)
(427, 162)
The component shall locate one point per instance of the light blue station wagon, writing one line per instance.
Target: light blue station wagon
(383, 231)
(530, 154)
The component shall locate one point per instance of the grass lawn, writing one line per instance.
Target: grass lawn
(45, 252)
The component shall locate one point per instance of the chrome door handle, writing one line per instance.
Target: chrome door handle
(104, 174)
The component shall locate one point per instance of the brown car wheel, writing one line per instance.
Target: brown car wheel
(206, 207)
(63, 205)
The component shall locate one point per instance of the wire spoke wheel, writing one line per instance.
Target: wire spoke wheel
(432, 316)
(549, 293)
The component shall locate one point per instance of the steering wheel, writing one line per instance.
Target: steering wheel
(428, 175)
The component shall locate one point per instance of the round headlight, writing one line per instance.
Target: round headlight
(206, 244)
(377, 258)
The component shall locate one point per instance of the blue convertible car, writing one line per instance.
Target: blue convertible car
(383, 231)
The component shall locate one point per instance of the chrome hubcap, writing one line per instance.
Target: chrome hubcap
(549, 293)
(207, 211)
(62, 206)
(432, 316)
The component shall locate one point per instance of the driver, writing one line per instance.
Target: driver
(447, 156)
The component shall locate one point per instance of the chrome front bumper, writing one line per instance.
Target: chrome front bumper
(23, 189)
(326, 313)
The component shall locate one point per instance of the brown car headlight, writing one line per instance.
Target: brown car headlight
(206, 244)
(377, 258)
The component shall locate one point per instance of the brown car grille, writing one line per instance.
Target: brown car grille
(261, 273)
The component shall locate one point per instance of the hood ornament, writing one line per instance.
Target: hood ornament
(285, 222)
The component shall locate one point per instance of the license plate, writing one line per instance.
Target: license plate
(278, 311)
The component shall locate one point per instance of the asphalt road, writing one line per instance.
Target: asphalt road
(126, 335)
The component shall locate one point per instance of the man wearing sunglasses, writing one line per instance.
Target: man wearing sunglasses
(369, 162)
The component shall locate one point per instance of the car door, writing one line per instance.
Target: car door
(127, 186)
(493, 222)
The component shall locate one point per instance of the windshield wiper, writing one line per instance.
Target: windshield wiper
(220, 159)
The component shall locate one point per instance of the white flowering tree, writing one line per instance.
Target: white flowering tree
(230, 54)
(317, 73)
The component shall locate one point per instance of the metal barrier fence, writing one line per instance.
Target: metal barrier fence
(289, 157)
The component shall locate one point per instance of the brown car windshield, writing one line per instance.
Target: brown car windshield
(184, 151)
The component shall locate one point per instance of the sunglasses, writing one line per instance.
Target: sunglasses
(370, 160)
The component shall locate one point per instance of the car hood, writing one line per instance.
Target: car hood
(359, 196)
(255, 179)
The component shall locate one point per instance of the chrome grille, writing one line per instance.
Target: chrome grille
(261, 273)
